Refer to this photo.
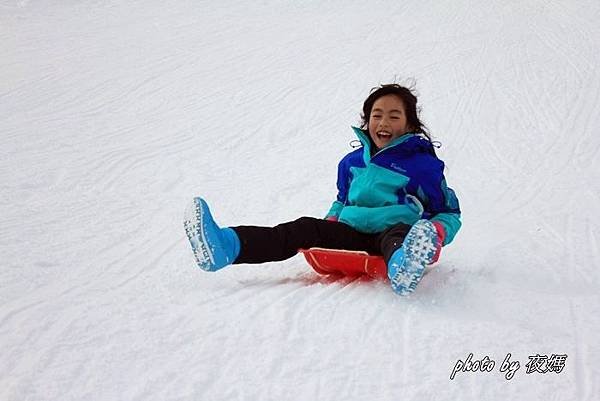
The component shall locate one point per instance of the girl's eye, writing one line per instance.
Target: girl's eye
(395, 118)
(376, 116)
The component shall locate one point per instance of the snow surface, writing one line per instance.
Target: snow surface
(114, 114)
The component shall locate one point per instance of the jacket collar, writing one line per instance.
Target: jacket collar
(365, 140)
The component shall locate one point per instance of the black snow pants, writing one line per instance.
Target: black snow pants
(270, 244)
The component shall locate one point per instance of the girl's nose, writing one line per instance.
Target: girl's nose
(383, 122)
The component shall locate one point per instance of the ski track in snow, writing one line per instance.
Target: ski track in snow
(113, 115)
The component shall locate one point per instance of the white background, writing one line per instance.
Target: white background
(113, 115)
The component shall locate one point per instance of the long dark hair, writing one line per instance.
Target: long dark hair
(410, 104)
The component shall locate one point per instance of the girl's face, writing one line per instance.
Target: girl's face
(387, 120)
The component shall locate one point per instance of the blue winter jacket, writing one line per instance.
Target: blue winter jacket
(401, 183)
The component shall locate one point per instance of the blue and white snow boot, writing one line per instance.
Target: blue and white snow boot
(213, 247)
(407, 264)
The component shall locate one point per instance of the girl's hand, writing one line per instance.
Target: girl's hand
(441, 234)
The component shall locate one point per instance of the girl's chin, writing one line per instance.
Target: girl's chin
(382, 144)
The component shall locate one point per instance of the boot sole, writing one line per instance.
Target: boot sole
(419, 249)
(193, 222)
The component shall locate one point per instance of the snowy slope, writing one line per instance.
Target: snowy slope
(114, 114)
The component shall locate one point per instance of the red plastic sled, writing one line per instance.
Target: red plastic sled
(348, 263)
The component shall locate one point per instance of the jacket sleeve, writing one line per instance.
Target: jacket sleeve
(343, 183)
(439, 201)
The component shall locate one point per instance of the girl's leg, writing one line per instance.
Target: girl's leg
(269, 244)
(391, 239)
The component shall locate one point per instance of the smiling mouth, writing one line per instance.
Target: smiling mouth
(384, 135)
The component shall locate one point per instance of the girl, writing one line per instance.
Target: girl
(392, 200)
